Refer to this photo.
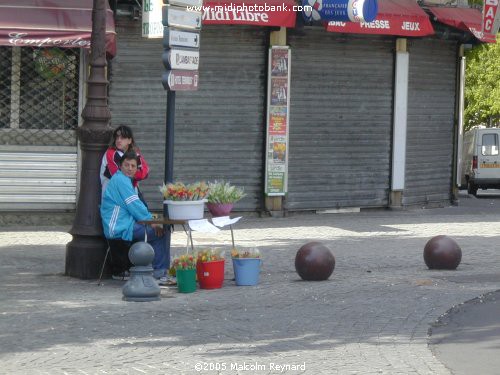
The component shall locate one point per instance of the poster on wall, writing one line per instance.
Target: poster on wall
(278, 107)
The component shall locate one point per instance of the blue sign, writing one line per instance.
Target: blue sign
(340, 10)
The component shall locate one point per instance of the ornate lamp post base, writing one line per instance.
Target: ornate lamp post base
(84, 256)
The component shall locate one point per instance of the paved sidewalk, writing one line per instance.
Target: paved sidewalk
(371, 317)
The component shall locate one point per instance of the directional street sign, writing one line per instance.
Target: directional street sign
(181, 18)
(180, 80)
(185, 3)
(181, 59)
(178, 38)
(181, 43)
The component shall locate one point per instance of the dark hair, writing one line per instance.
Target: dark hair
(125, 132)
(129, 155)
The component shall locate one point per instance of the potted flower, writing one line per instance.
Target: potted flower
(222, 196)
(185, 270)
(210, 268)
(246, 266)
(185, 202)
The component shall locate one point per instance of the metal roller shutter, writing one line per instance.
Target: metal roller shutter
(219, 129)
(340, 120)
(431, 106)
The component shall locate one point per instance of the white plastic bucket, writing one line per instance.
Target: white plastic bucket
(185, 210)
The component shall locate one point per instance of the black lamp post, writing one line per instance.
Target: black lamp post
(85, 253)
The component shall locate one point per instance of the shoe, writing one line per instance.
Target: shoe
(167, 281)
(124, 276)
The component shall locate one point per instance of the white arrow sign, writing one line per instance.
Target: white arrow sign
(186, 3)
(181, 18)
(181, 59)
(172, 38)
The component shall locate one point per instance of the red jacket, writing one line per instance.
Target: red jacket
(111, 162)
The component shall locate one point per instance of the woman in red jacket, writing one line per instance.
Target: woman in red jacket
(123, 141)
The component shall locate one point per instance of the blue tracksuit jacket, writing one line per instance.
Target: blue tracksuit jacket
(121, 208)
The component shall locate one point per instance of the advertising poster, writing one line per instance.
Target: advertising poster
(277, 120)
(278, 107)
(279, 91)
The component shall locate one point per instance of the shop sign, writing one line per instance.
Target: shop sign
(50, 62)
(178, 38)
(340, 10)
(151, 19)
(181, 59)
(278, 107)
(180, 80)
(491, 17)
(181, 18)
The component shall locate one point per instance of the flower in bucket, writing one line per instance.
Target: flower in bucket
(223, 192)
(210, 255)
(178, 191)
(184, 262)
(245, 253)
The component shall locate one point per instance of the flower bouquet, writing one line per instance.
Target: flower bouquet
(185, 202)
(246, 266)
(185, 269)
(245, 253)
(210, 268)
(222, 196)
(178, 191)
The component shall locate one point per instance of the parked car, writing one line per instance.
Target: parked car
(481, 159)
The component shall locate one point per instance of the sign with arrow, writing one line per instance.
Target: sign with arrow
(181, 18)
(178, 38)
(186, 3)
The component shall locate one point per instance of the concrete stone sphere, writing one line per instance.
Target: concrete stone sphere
(314, 262)
(141, 254)
(442, 252)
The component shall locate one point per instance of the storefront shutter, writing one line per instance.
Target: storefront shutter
(219, 129)
(431, 105)
(340, 120)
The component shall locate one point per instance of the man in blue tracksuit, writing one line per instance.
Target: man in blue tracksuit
(121, 209)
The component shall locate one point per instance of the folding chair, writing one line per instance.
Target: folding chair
(118, 250)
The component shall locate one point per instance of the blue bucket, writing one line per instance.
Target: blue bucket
(246, 271)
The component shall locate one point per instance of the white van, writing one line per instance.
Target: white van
(481, 159)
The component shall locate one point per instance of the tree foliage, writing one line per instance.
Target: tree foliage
(482, 85)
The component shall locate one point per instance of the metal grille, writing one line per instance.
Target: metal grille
(39, 96)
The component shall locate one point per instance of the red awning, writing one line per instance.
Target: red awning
(253, 12)
(51, 23)
(466, 19)
(395, 17)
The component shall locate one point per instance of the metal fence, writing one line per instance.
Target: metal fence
(39, 96)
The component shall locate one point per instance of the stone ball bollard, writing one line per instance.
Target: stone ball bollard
(442, 252)
(314, 262)
(141, 287)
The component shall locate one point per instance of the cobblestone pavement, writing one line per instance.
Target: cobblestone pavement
(371, 317)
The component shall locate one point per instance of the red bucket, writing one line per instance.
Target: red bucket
(210, 274)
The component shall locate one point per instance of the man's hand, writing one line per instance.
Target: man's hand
(158, 228)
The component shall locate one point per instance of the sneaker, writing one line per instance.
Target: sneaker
(124, 276)
(167, 281)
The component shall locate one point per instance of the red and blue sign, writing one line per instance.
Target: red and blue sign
(340, 10)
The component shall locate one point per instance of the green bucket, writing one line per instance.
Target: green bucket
(186, 281)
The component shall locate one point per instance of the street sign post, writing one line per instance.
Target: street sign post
(181, 29)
